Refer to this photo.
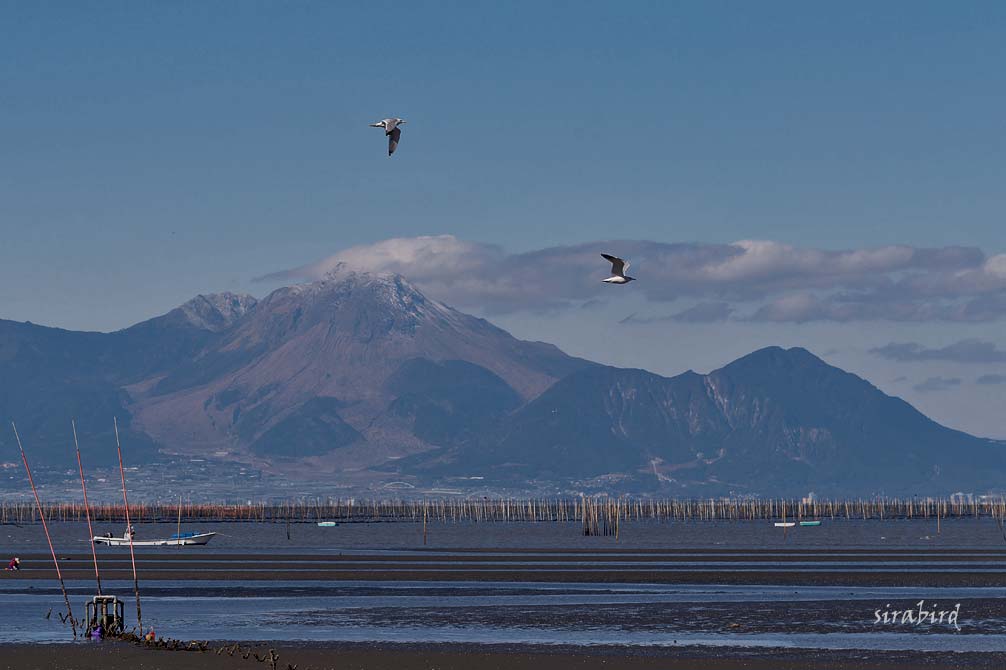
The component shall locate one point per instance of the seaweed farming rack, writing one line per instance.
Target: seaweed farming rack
(589, 510)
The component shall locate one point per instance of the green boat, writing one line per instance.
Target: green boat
(810, 523)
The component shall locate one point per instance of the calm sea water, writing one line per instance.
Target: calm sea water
(309, 538)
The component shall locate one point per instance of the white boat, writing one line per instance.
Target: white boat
(176, 540)
(784, 524)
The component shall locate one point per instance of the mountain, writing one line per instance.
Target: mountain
(49, 375)
(390, 364)
(776, 420)
(360, 379)
(352, 371)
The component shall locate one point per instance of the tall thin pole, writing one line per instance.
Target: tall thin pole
(45, 527)
(87, 506)
(178, 533)
(129, 528)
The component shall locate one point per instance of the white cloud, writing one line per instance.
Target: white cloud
(768, 280)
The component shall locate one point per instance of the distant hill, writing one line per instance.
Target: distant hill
(50, 375)
(776, 420)
(360, 378)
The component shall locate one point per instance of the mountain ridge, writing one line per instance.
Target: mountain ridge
(360, 377)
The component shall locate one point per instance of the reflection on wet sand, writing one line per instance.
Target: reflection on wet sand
(665, 596)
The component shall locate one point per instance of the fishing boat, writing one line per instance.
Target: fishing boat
(784, 524)
(810, 523)
(176, 540)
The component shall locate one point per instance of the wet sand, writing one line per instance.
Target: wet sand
(805, 578)
(483, 602)
(791, 568)
(119, 656)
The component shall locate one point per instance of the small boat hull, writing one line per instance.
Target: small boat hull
(186, 541)
(810, 523)
(784, 524)
(327, 524)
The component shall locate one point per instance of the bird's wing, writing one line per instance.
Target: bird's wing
(393, 140)
(617, 264)
(379, 124)
(390, 124)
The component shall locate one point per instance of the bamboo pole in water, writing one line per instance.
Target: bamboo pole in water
(129, 528)
(87, 510)
(45, 527)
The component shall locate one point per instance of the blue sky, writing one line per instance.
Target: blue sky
(153, 151)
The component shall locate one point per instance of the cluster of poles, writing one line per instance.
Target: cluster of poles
(42, 516)
(602, 510)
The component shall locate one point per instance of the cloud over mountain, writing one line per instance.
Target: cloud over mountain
(703, 312)
(964, 351)
(937, 384)
(772, 281)
(991, 380)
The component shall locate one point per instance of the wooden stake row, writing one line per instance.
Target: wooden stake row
(497, 510)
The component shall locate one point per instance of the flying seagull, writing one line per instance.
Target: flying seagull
(618, 268)
(391, 130)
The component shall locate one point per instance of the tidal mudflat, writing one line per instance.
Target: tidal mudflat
(534, 595)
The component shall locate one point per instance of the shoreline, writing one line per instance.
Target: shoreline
(453, 656)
